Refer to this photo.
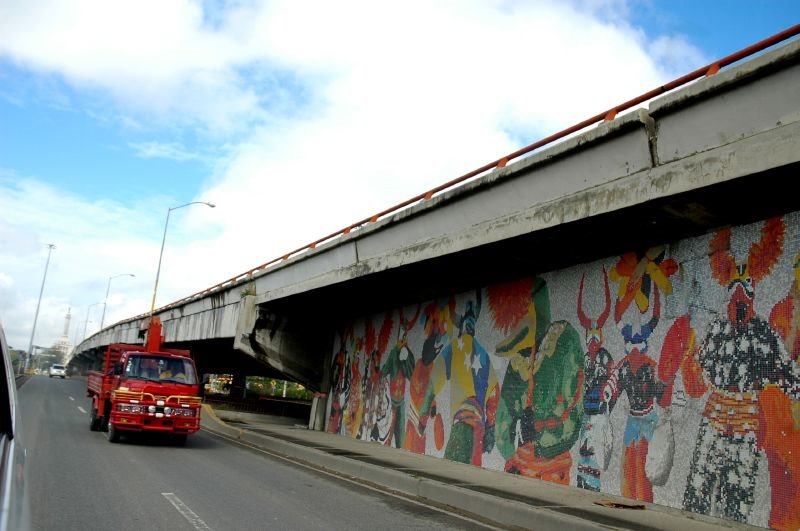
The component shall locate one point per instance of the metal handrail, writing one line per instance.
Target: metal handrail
(607, 115)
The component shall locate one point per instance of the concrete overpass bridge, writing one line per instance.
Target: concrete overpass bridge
(660, 204)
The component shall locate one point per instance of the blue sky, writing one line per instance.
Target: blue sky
(717, 27)
(112, 113)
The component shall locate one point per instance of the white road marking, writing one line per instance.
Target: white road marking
(72, 399)
(187, 513)
(82, 410)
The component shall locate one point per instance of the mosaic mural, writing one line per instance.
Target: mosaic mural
(669, 375)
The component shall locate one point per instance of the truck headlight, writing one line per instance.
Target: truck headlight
(182, 412)
(130, 408)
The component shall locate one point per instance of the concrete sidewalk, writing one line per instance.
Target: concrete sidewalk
(505, 500)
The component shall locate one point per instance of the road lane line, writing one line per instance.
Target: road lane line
(187, 513)
(72, 399)
(82, 410)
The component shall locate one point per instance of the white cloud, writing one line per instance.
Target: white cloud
(329, 118)
(173, 151)
(676, 55)
(150, 56)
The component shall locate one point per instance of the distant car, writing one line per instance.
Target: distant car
(57, 370)
(15, 506)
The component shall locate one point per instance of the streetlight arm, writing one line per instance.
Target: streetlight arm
(212, 205)
(163, 240)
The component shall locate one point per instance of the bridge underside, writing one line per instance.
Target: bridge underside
(217, 356)
(656, 222)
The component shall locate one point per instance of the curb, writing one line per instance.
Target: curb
(547, 508)
(480, 506)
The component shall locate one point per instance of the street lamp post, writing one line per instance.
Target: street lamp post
(108, 288)
(50, 248)
(163, 240)
(33, 354)
(86, 324)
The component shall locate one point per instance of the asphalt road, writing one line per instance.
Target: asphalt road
(80, 481)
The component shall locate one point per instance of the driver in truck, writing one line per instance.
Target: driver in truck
(148, 369)
(174, 371)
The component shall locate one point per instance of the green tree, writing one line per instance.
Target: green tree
(16, 358)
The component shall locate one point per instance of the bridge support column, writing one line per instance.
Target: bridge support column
(316, 420)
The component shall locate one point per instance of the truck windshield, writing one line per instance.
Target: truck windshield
(161, 368)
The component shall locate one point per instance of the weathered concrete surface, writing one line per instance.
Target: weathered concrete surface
(661, 169)
(268, 337)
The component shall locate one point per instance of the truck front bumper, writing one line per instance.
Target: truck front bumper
(155, 422)
(140, 411)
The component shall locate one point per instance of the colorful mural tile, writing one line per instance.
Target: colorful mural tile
(500, 377)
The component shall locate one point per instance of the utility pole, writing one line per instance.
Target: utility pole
(50, 248)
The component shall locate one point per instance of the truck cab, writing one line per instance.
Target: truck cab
(163, 368)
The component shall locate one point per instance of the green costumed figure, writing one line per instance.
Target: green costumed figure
(540, 410)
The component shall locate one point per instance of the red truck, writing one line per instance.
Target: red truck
(145, 388)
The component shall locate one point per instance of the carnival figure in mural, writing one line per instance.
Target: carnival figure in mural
(779, 418)
(743, 365)
(598, 365)
(341, 383)
(428, 378)
(779, 436)
(641, 278)
(474, 391)
(398, 368)
(353, 412)
(376, 421)
(785, 316)
(540, 410)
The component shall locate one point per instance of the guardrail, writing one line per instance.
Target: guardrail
(606, 115)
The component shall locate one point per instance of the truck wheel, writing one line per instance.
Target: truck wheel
(113, 434)
(94, 425)
(179, 440)
(104, 420)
